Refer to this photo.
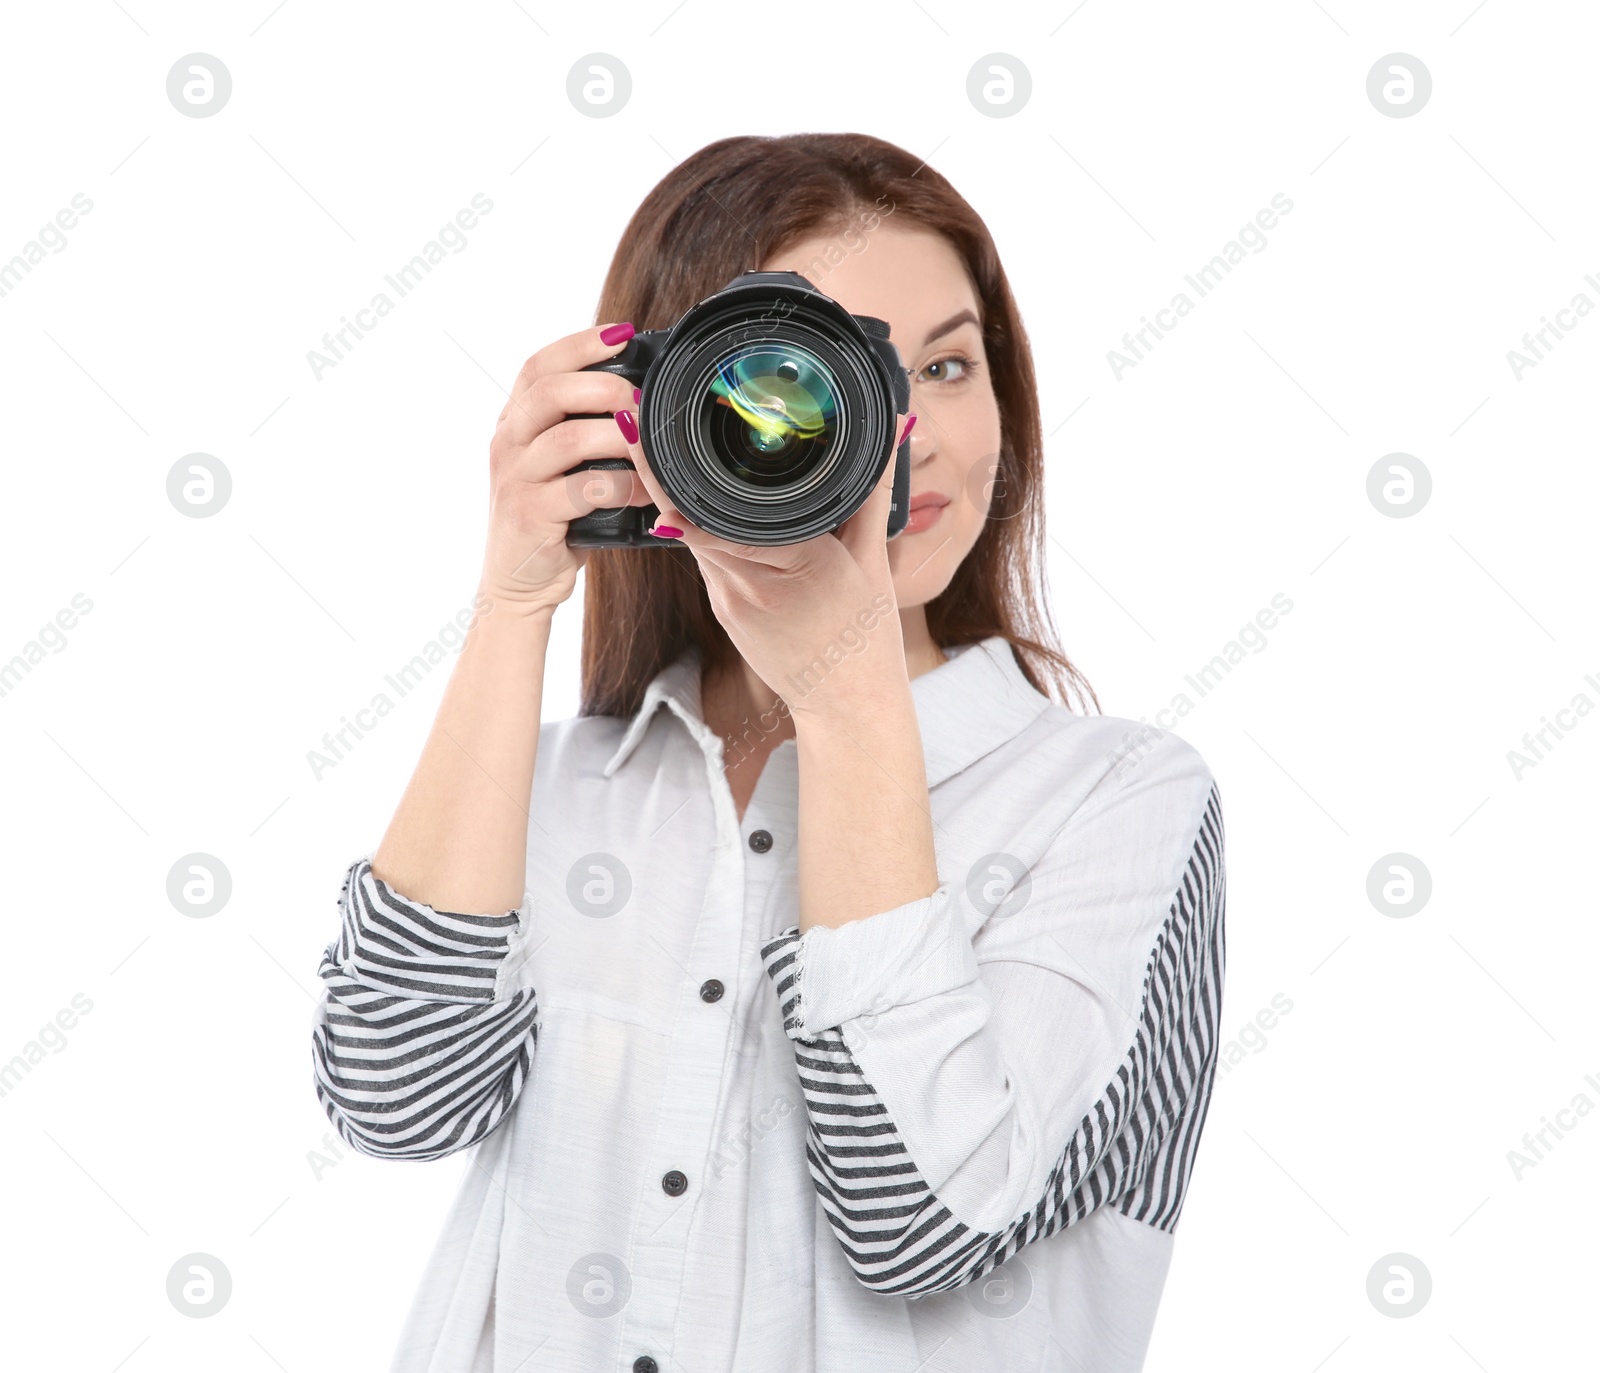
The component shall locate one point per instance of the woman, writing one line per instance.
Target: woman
(861, 1012)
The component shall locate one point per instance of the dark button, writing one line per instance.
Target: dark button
(760, 840)
(644, 1364)
(674, 1184)
(711, 990)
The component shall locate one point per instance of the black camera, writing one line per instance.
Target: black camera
(767, 413)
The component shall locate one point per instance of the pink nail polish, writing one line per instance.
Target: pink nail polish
(666, 531)
(911, 421)
(630, 430)
(636, 394)
(617, 333)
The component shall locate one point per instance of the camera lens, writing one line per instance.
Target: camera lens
(769, 413)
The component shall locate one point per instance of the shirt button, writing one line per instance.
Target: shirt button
(644, 1364)
(711, 990)
(674, 1184)
(760, 840)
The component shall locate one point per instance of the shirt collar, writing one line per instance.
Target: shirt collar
(966, 708)
(678, 684)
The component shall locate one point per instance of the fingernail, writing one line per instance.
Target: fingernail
(617, 333)
(666, 531)
(910, 422)
(630, 430)
(636, 394)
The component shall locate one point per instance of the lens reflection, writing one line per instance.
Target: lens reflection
(771, 413)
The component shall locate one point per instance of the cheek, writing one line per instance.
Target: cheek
(923, 574)
(971, 445)
(972, 432)
(969, 510)
(980, 471)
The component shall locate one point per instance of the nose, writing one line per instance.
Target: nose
(924, 438)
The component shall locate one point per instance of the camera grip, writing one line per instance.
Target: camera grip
(621, 526)
(877, 332)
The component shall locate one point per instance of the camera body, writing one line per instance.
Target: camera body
(767, 413)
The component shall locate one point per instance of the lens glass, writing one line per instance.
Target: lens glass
(770, 413)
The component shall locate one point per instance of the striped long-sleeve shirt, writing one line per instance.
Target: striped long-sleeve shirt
(954, 1135)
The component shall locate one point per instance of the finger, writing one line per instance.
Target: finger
(724, 554)
(569, 354)
(558, 450)
(582, 493)
(549, 399)
(868, 528)
(626, 424)
(670, 517)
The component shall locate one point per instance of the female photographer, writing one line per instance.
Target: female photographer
(859, 1010)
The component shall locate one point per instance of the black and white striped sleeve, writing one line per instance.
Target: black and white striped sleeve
(970, 1094)
(422, 1039)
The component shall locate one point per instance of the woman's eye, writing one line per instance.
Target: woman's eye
(942, 369)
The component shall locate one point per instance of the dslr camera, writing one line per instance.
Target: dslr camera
(767, 413)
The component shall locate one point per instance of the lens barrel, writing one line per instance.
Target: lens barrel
(768, 414)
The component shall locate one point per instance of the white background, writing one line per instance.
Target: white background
(1228, 466)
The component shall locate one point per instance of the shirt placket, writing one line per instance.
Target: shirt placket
(768, 836)
(706, 986)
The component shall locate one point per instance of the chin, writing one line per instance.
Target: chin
(920, 562)
(922, 589)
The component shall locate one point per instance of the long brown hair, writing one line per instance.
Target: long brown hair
(725, 210)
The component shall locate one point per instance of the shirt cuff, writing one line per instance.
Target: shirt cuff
(832, 974)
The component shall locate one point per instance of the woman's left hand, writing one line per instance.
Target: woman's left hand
(799, 612)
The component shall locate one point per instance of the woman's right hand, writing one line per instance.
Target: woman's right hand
(528, 565)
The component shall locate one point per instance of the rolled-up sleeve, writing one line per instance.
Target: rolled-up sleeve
(423, 1037)
(969, 1094)
(916, 951)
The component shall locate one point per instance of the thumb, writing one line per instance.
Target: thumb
(868, 527)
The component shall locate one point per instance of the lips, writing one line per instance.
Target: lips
(927, 498)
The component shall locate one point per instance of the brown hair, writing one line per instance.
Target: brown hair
(724, 210)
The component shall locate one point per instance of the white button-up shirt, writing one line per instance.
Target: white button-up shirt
(949, 1137)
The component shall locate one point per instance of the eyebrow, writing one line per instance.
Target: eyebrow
(940, 330)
